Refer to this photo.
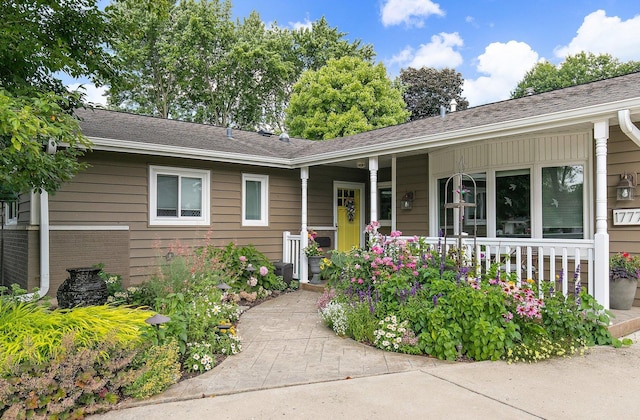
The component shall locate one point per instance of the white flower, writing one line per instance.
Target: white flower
(196, 356)
(195, 366)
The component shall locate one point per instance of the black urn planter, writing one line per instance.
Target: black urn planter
(84, 287)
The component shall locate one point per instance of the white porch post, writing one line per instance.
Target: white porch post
(304, 237)
(601, 239)
(394, 189)
(373, 182)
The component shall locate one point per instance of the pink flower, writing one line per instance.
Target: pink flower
(395, 234)
(264, 271)
(242, 258)
(360, 281)
(357, 266)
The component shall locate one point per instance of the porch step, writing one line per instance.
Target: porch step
(320, 287)
(625, 322)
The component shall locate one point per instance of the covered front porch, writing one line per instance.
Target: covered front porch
(411, 179)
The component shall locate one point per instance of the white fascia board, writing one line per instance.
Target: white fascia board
(124, 146)
(478, 133)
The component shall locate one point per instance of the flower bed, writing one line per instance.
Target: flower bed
(69, 363)
(411, 298)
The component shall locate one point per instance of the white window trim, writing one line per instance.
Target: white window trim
(14, 219)
(202, 220)
(264, 199)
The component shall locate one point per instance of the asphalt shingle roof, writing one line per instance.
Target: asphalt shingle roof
(157, 131)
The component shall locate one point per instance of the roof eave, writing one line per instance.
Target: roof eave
(124, 146)
(515, 127)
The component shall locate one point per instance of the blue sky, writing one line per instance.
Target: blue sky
(492, 43)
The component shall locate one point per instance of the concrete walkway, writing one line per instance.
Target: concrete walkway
(293, 366)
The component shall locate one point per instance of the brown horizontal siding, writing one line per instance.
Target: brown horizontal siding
(114, 190)
(412, 175)
(623, 156)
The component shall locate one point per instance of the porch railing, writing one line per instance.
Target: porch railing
(291, 251)
(537, 259)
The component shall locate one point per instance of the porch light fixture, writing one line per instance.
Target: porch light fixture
(406, 203)
(625, 188)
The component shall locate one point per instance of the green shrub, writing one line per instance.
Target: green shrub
(158, 367)
(361, 323)
(73, 382)
(453, 313)
(31, 333)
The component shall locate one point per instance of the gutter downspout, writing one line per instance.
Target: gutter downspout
(44, 250)
(627, 127)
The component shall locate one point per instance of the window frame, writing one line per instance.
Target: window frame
(7, 220)
(535, 172)
(264, 199)
(387, 185)
(202, 220)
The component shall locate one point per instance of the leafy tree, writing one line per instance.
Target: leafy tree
(315, 46)
(232, 72)
(347, 96)
(191, 61)
(424, 90)
(39, 38)
(142, 43)
(26, 127)
(575, 70)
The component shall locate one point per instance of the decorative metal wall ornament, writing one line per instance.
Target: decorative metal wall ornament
(350, 204)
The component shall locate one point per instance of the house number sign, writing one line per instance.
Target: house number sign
(626, 217)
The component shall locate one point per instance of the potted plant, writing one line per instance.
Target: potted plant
(624, 270)
(314, 256)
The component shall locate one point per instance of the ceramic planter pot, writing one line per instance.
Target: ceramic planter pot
(622, 290)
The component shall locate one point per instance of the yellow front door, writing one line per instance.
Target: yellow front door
(348, 218)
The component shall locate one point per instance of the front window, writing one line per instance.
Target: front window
(178, 196)
(513, 204)
(562, 202)
(384, 203)
(255, 200)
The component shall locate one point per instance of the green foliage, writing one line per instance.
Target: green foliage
(426, 89)
(74, 382)
(345, 97)
(157, 368)
(575, 70)
(31, 333)
(35, 107)
(27, 124)
(33, 49)
(403, 286)
(361, 323)
(191, 60)
(624, 264)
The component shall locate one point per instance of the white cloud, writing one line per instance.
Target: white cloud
(409, 12)
(301, 25)
(504, 66)
(600, 34)
(441, 52)
(93, 94)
